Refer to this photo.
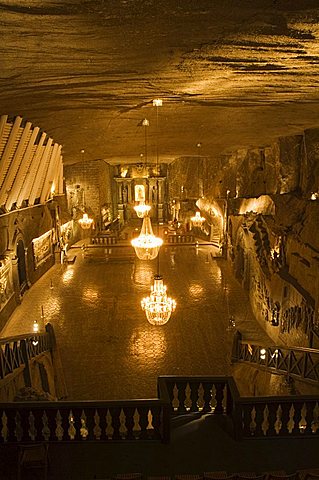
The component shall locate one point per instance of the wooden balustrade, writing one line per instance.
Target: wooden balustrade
(290, 416)
(78, 421)
(297, 362)
(104, 240)
(149, 420)
(198, 394)
(180, 238)
(17, 351)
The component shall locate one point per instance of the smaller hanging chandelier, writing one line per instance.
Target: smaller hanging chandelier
(85, 222)
(197, 220)
(158, 306)
(142, 209)
(146, 245)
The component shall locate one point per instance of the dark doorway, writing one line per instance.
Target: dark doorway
(21, 267)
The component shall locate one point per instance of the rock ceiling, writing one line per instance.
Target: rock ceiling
(231, 73)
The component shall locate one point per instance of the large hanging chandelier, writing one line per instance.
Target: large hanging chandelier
(142, 209)
(85, 222)
(158, 306)
(146, 245)
(197, 220)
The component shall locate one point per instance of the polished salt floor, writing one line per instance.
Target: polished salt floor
(108, 349)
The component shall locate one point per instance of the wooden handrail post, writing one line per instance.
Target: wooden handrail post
(59, 379)
(166, 423)
(25, 357)
(236, 346)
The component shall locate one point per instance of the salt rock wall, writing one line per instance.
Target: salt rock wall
(24, 227)
(275, 254)
(274, 169)
(269, 170)
(89, 184)
(185, 178)
(262, 263)
(309, 177)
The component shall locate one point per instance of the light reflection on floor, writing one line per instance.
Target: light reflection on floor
(104, 338)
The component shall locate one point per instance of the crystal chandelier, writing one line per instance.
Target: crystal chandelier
(197, 220)
(85, 222)
(142, 209)
(158, 306)
(146, 245)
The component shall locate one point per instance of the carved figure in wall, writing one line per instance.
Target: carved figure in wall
(3, 289)
(275, 314)
(106, 215)
(123, 172)
(140, 169)
(298, 317)
(156, 170)
(6, 288)
(124, 194)
(42, 248)
(154, 195)
(175, 208)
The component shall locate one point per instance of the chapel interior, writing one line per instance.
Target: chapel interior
(159, 240)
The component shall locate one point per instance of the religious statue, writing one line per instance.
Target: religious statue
(154, 195)
(175, 208)
(124, 194)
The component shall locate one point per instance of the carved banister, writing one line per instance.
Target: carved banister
(295, 361)
(20, 349)
(149, 419)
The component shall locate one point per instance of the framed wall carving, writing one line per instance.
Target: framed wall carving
(42, 248)
(6, 283)
(139, 193)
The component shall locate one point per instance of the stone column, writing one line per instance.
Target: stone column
(129, 191)
(160, 200)
(120, 209)
(160, 190)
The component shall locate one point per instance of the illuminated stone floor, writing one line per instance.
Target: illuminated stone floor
(108, 349)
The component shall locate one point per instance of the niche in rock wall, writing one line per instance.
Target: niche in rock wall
(267, 308)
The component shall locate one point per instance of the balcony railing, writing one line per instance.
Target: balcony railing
(149, 419)
(302, 363)
(18, 351)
